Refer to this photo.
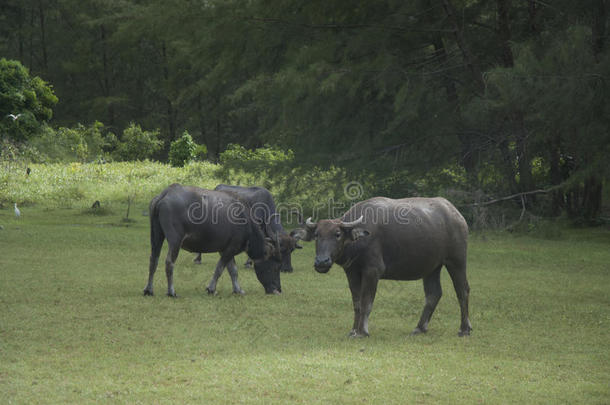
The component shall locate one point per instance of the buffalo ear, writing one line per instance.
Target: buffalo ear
(358, 233)
(303, 234)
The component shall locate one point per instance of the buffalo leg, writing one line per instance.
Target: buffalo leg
(170, 260)
(232, 268)
(462, 290)
(433, 291)
(355, 287)
(156, 245)
(220, 266)
(197, 259)
(367, 296)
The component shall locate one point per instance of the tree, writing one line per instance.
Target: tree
(137, 144)
(392, 90)
(29, 97)
(182, 150)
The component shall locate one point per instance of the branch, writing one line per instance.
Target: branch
(515, 195)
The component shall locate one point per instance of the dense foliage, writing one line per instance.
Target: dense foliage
(29, 100)
(505, 96)
(183, 150)
(138, 144)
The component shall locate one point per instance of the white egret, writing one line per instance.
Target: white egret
(17, 212)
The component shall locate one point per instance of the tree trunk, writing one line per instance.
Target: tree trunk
(555, 160)
(218, 136)
(524, 161)
(171, 113)
(31, 61)
(202, 131)
(598, 30)
(20, 26)
(106, 79)
(43, 40)
(468, 157)
(532, 16)
(504, 32)
(592, 197)
(509, 169)
(467, 150)
(469, 58)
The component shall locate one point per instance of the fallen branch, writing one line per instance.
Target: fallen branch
(510, 197)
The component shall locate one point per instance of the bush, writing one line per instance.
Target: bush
(22, 94)
(137, 144)
(201, 153)
(268, 157)
(82, 144)
(183, 150)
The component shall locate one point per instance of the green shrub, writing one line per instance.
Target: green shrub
(268, 157)
(201, 152)
(137, 144)
(78, 144)
(182, 150)
(23, 94)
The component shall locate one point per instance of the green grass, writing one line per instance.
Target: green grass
(75, 328)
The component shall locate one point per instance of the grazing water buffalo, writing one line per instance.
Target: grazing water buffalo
(263, 210)
(404, 239)
(203, 221)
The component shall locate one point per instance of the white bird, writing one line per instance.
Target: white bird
(14, 117)
(17, 212)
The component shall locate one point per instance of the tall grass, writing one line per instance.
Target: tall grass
(66, 185)
(78, 185)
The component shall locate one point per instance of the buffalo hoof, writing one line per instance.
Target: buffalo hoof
(239, 292)
(197, 261)
(172, 294)
(210, 292)
(148, 293)
(356, 335)
(418, 331)
(463, 333)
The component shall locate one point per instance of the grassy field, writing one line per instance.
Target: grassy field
(67, 185)
(75, 328)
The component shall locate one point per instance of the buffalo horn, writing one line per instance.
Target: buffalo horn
(309, 223)
(353, 223)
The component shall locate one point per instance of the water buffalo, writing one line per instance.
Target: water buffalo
(263, 209)
(202, 221)
(404, 239)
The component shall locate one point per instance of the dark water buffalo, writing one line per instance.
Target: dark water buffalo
(203, 221)
(263, 210)
(405, 239)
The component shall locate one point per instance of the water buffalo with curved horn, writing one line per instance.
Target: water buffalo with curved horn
(203, 221)
(406, 239)
(263, 210)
